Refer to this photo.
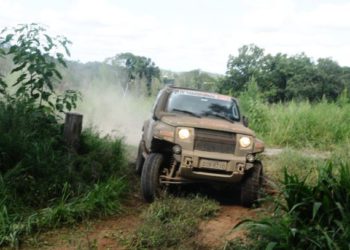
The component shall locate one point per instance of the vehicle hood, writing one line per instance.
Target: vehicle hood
(207, 123)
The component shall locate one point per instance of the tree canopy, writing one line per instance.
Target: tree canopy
(136, 67)
(281, 77)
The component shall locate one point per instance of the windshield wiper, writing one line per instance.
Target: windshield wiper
(220, 116)
(187, 112)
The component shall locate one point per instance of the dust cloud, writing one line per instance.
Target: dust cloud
(107, 110)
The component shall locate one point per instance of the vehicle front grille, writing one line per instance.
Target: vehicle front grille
(214, 141)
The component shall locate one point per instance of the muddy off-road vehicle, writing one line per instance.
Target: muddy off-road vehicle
(196, 136)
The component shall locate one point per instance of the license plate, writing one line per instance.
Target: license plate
(212, 164)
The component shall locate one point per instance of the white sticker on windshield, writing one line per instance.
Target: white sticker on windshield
(202, 94)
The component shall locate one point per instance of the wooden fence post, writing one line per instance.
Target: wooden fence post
(72, 129)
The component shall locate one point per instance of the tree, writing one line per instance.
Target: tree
(137, 67)
(288, 77)
(282, 77)
(249, 63)
(36, 56)
(330, 77)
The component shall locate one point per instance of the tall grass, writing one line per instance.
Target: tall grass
(320, 125)
(43, 183)
(294, 161)
(300, 124)
(308, 214)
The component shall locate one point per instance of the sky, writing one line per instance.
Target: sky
(182, 35)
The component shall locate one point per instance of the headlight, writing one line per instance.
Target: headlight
(184, 133)
(245, 142)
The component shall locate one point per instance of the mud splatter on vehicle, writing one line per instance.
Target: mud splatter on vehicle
(196, 136)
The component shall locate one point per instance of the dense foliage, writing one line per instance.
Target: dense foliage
(282, 78)
(290, 101)
(35, 56)
(43, 182)
(308, 215)
(136, 68)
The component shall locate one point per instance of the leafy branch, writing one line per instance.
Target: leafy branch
(36, 57)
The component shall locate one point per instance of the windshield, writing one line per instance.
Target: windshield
(203, 104)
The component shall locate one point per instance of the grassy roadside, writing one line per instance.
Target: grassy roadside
(311, 210)
(298, 124)
(45, 185)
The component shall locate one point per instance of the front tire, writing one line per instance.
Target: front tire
(251, 185)
(150, 186)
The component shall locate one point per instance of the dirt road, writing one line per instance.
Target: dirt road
(214, 233)
(111, 232)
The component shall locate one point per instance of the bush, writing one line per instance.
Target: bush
(309, 216)
(252, 105)
(45, 184)
(31, 151)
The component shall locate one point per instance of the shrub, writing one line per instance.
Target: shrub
(309, 216)
(43, 182)
(51, 186)
(252, 105)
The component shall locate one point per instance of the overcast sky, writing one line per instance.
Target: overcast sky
(182, 35)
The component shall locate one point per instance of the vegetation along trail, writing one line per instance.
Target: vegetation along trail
(121, 231)
(54, 196)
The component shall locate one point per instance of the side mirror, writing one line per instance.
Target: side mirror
(245, 121)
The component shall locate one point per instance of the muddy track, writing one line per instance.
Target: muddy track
(213, 234)
(109, 233)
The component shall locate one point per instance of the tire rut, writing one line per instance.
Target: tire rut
(215, 232)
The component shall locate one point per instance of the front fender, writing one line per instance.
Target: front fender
(259, 146)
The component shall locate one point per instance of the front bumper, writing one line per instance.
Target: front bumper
(218, 166)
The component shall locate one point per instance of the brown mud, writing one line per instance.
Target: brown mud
(99, 234)
(213, 234)
(109, 233)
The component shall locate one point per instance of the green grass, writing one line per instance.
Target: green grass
(308, 214)
(294, 161)
(320, 125)
(103, 199)
(302, 124)
(171, 222)
(44, 184)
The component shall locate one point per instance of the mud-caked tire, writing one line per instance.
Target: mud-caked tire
(150, 187)
(251, 185)
(140, 160)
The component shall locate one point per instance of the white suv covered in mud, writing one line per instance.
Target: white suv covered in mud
(196, 136)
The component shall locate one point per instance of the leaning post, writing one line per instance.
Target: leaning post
(72, 129)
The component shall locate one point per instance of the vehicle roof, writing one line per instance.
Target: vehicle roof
(169, 87)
